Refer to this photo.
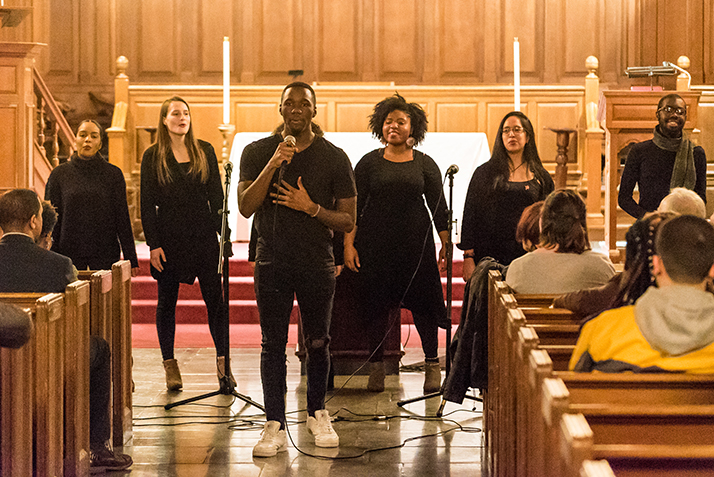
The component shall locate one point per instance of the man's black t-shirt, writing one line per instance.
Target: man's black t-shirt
(291, 236)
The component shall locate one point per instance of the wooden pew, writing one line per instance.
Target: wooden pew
(121, 353)
(111, 320)
(76, 384)
(650, 441)
(637, 397)
(47, 354)
(16, 404)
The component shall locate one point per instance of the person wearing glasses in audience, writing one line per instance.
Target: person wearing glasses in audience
(666, 161)
(499, 191)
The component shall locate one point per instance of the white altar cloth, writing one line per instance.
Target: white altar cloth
(466, 150)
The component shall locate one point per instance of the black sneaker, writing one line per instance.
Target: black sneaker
(104, 459)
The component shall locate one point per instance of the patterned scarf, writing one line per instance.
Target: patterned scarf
(683, 174)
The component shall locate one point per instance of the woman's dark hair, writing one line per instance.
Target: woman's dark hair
(416, 114)
(640, 248)
(563, 222)
(529, 225)
(502, 161)
(197, 159)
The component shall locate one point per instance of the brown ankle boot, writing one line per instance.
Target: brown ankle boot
(432, 377)
(376, 377)
(173, 375)
(221, 371)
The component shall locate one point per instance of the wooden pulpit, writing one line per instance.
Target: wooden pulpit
(630, 117)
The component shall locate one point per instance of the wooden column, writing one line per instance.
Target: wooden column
(561, 159)
(594, 136)
(17, 114)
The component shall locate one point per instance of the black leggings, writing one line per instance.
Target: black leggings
(166, 313)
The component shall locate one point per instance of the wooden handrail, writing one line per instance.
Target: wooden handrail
(49, 107)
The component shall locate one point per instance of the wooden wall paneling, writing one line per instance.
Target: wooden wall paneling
(453, 117)
(216, 21)
(338, 46)
(245, 58)
(708, 53)
(705, 122)
(352, 116)
(527, 25)
(460, 43)
(673, 42)
(276, 45)
(159, 41)
(12, 175)
(611, 50)
(581, 22)
(103, 67)
(399, 40)
(258, 117)
(63, 41)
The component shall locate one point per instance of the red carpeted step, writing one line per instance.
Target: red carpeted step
(243, 309)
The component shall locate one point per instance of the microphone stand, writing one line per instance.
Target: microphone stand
(225, 385)
(449, 280)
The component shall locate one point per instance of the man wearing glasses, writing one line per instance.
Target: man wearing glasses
(666, 161)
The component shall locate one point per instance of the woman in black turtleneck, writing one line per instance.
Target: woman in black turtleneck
(90, 197)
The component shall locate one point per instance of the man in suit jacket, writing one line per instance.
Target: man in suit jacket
(27, 267)
(24, 266)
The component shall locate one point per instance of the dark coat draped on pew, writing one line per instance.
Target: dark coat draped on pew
(470, 360)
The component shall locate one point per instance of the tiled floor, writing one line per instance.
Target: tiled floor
(216, 436)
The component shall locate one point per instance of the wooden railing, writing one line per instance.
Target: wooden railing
(52, 127)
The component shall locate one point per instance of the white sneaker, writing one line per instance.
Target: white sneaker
(321, 427)
(272, 440)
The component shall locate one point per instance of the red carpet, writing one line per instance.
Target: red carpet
(242, 336)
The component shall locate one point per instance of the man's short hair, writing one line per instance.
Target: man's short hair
(49, 218)
(670, 96)
(686, 246)
(683, 201)
(299, 84)
(17, 207)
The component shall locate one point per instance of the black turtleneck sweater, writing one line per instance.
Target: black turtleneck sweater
(90, 197)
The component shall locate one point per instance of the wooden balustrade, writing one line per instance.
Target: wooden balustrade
(51, 118)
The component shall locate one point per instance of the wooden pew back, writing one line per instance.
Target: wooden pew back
(16, 408)
(121, 352)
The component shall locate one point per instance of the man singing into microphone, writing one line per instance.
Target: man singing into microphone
(301, 188)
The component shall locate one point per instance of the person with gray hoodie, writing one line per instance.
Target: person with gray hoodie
(670, 328)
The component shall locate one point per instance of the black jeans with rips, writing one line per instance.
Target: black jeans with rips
(276, 286)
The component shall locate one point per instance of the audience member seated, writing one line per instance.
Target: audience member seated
(670, 327)
(49, 220)
(683, 201)
(563, 261)
(528, 228)
(626, 287)
(27, 267)
(15, 326)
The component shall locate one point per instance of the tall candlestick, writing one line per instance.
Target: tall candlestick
(516, 75)
(226, 80)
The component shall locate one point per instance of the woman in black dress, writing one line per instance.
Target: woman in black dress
(392, 246)
(92, 214)
(180, 198)
(499, 191)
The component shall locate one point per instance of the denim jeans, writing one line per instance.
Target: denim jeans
(276, 285)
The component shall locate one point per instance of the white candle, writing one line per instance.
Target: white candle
(516, 75)
(226, 80)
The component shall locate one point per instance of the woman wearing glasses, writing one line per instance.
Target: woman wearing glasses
(666, 161)
(500, 190)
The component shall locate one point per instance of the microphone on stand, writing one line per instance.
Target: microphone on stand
(453, 169)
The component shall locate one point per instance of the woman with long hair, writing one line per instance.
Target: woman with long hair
(499, 191)
(181, 196)
(563, 261)
(89, 194)
(392, 246)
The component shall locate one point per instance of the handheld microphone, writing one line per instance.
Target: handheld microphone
(290, 141)
(453, 169)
